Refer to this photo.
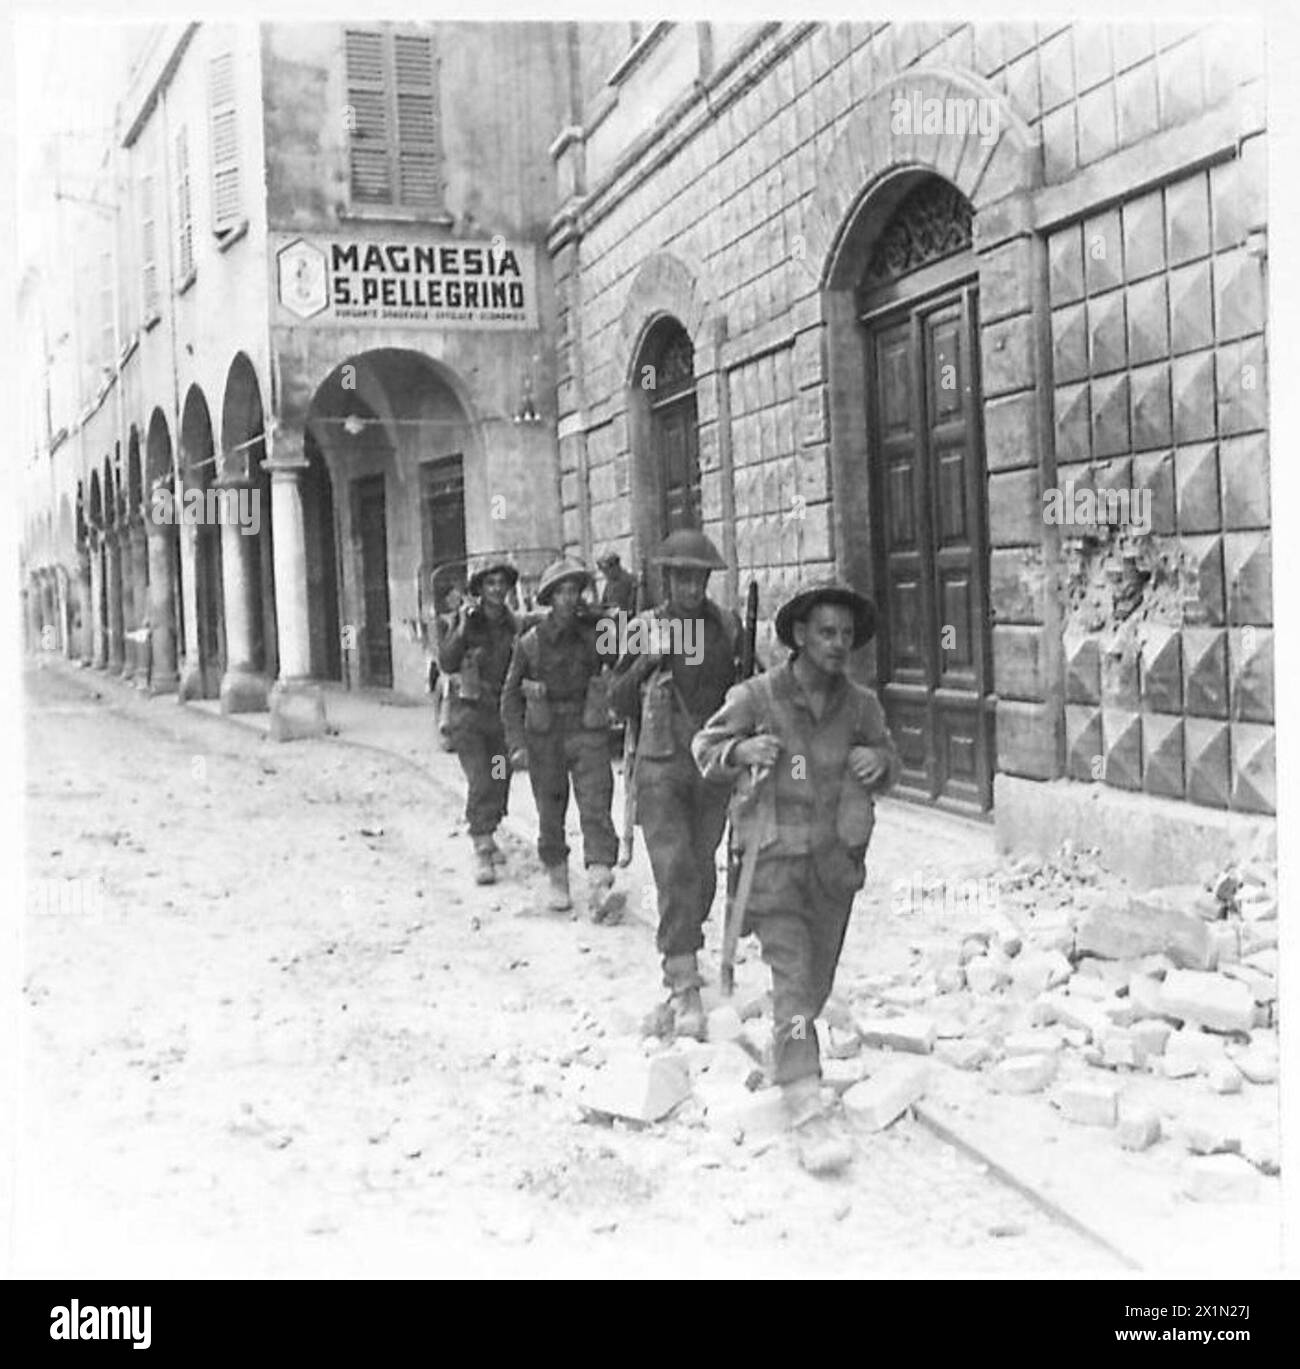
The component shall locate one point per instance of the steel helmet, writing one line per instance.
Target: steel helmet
(566, 568)
(799, 606)
(483, 566)
(690, 550)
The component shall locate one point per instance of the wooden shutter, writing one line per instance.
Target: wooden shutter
(417, 121)
(184, 218)
(372, 134)
(227, 204)
(148, 246)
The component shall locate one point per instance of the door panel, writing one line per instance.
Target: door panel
(372, 527)
(932, 560)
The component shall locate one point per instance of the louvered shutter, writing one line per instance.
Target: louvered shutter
(417, 121)
(371, 132)
(184, 218)
(148, 246)
(227, 204)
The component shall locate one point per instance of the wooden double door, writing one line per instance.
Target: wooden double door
(930, 539)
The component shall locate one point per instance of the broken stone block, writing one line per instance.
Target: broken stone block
(755, 1039)
(841, 1044)
(724, 1023)
(730, 1062)
(1123, 1012)
(973, 946)
(1263, 987)
(950, 979)
(1220, 1179)
(841, 1075)
(1005, 935)
(1206, 1134)
(964, 1053)
(752, 1003)
(986, 975)
(1088, 1102)
(1258, 1064)
(1225, 943)
(1149, 1038)
(1035, 971)
(1078, 1012)
(1262, 1150)
(1257, 906)
(1209, 1000)
(1138, 1128)
(878, 1101)
(1033, 1041)
(752, 1116)
(1144, 993)
(1118, 1047)
(909, 1032)
(1157, 966)
(1023, 1073)
(1090, 987)
(1264, 961)
(638, 1090)
(1256, 937)
(1189, 1051)
(1224, 1077)
(1146, 924)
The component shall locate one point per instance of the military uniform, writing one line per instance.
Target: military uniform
(477, 650)
(681, 815)
(809, 821)
(618, 594)
(554, 706)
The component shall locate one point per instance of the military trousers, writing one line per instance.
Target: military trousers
(799, 908)
(568, 753)
(479, 740)
(682, 818)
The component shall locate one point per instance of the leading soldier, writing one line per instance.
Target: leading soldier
(813, 749)
(672, 690)
(477, 648)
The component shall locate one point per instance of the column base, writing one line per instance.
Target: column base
(168, 683)
(191, 685)
(242, 691)
(297, 710)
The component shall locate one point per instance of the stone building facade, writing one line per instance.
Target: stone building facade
(911, 277)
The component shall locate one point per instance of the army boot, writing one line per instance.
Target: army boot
(606, 904)
(484, 870)
(821, 1145)
(559, 900)
(497, 854)
(682, 978)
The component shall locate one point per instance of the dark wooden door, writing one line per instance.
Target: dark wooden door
(677, 443)
(211, 608)
(442, 523)
(372, 531)
(930, 534)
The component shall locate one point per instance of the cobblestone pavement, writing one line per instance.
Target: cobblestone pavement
(294, 1038)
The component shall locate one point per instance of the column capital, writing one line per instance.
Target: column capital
(286, 467)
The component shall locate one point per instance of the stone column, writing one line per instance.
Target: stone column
(297, 705)
(243, 687)
(86, 636)
(159, 552)
(140, 577)
(116, 627)
(191, 675)
(98, 620)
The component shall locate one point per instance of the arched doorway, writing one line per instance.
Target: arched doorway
(199, 472)
(166, 593)
(916, 301)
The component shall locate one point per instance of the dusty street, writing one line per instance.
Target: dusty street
(274, 1030)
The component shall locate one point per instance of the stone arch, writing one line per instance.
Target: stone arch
(134, 476)
(204, 604)
(158, 469)
(664, 286)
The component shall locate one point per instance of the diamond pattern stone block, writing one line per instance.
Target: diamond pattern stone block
(1069, 344)
(1083, 742)
(1193, 397)
(1241, 391)
(1238, 294)
(1196, 479)
(1106, 340)
(1187, 219)
(1065, 257)
(1103, 254)
(1250, 655)
(1082, 668)
(1152, 416)
(1203, 568)
(1162, 669)
(1180, 76)
(1205, 671)
(1121, 735)
(1162, 755)
(1135, 99)
(1148, 321)
(1248, 564)
(1144, 236)
(1056, 70)
(1119, 678)
(1206, 762)
(1243, 473)
(1073, 424)
(1154, 472)
(1110, 415)
(1098, 135)
(1254, 768)
(1190, 325)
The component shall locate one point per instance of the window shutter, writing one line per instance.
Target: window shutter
(371, 134)
(417, 121)
(223, 122)
(148, 246)
(184, 221)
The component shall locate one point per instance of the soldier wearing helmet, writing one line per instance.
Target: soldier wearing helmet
(478, 646)
(673, 690)
(555, 709)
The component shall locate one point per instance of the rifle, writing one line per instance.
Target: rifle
(631, 734)
(740, 873)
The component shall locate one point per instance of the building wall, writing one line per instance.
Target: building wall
(745, 213)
